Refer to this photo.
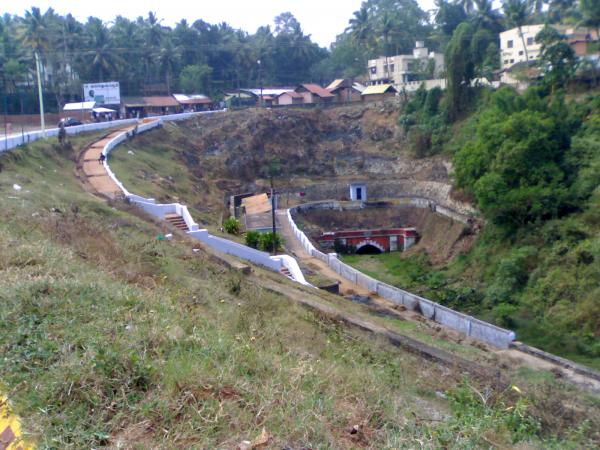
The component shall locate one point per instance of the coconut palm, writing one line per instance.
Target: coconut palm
(360, 26)
(168, 59)
(100, 56)
(516, 14)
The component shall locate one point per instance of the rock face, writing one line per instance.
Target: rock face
(335, 142)
(314, 151)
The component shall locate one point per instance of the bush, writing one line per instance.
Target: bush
(232, 225)
(266, 241)
(252, 238)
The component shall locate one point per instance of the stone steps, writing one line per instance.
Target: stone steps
(177, 221)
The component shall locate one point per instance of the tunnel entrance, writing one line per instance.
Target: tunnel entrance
(368, 249)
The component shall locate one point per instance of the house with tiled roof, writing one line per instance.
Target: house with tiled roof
(345, 90)
(313, 93)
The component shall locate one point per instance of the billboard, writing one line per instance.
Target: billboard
(108, 93)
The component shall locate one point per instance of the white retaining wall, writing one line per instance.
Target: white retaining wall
(468, 325)
(159, 210)
(14, 140)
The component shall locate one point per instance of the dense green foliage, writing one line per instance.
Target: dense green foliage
(231, 225)
(532, 163)
(252, 238)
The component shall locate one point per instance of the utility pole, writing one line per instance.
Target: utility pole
(273, 217)
(260, 100)
(39, 80)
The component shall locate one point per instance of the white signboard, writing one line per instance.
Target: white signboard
(108, 93)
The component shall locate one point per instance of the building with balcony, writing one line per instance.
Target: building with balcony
(402, 69)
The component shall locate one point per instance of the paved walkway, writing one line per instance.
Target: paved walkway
(92, 171)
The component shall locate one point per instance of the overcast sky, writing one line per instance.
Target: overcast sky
(323, 19)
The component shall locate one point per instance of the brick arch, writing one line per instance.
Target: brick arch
(372, 243)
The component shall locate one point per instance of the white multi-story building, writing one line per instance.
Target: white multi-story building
(402, 69)
(512, 50)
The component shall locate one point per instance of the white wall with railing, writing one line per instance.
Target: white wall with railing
(472, 327)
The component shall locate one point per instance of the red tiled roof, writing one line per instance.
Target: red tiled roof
(160, 101)
(317, 90)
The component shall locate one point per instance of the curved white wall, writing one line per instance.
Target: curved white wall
(468, 325)
(160, 210)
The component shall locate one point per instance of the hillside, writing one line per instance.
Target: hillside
(542, 263)
(112, 338)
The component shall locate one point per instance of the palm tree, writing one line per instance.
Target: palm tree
(485, 16)
(168, 60)
(386, 28)
(360, 26)
(36, 31)
(467, 5)
(100, 56)
(516, 14)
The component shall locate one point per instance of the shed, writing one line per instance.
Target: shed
(378, 92)
(313, 93)
(344, 90)
(151, 106)
(195, 102)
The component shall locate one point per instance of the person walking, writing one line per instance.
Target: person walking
(101, 158)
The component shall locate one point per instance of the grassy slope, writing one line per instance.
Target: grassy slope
(108, 336)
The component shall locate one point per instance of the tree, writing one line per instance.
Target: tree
(168, 60)
(557, 58)
(516, 14)
(460, 69)
(590, 10)
(195, 78)
(360, 27)
(100, 56)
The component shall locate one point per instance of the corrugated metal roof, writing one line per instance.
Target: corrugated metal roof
(379, 89)
(340, 83)
(257, 204)
(78, 106)
(316, 89)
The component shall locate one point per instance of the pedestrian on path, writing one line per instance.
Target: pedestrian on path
(101, 158)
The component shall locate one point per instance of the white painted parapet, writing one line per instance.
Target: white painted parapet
(15, 140)
(470, 326)
(160, 210)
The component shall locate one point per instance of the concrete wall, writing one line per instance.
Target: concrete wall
(433, 191)
(15, 140)
(463, 323)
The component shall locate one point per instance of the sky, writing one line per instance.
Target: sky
(322, 19)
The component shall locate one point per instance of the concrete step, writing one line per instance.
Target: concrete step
(177, 221)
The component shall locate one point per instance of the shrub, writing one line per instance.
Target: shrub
(266, 241)
(232, 225)
(252, 238)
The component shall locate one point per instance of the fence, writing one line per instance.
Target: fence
(466, 324)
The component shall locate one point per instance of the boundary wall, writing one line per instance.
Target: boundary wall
(15, 140)
(470, 326)
(160, 210)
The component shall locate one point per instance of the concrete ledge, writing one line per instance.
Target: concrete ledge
(577, 368)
